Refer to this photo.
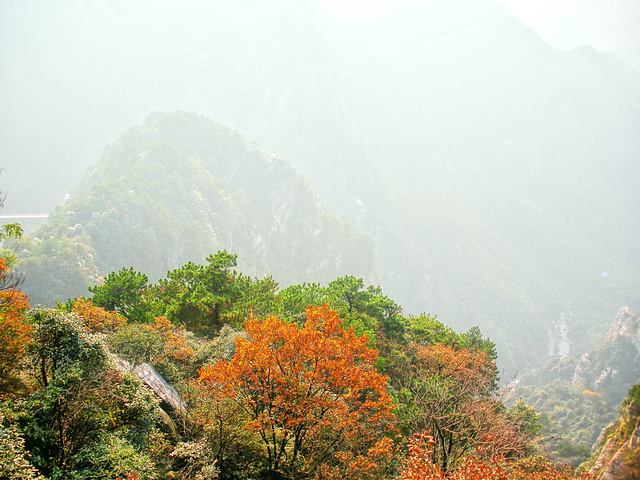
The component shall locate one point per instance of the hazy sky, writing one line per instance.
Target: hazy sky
(605, 24)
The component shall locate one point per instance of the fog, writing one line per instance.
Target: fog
(495, 173)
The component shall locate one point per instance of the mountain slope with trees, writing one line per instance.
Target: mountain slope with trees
(494, 174)
(172, 190)
(346, 387)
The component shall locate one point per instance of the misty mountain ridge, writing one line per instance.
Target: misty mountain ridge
(493, 174)
(177, 189)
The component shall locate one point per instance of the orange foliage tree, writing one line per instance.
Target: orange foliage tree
(419, 466)
(97, 319)
(174, 340)
(450, 393)
(311, 393)
(14, 333)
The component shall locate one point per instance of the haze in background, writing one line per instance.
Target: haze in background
(612, 25)
(495, 175)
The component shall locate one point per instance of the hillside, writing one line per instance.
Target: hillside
(177, 189)
(578, 396)
(494, 175)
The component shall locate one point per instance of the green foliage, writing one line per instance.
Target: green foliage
(176, 189)
(473, 340)
(59, 345)
(14, 459)
(252, 296)
(526, 418)
(111, 457)
(122, 291)
(426, 329)
(10, 230)
(56, 267)
(194, 295)
(84, 419)
(81, 399)
(294, 299)
(196, 459)
(136, 344)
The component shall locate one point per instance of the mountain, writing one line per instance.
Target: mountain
(494, 174)
(177, 189)
(578, 396)
(616, 452)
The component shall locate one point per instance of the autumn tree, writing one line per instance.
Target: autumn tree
(450, 393)
(97, 319)
(14, 332)
(418, 465)
(311, 393)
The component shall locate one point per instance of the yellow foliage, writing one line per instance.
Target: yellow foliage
(590, 393)
(97, 319)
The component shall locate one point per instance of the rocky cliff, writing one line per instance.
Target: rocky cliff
(617, 450)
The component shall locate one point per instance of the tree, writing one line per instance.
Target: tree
(97, 319)
(309, 393)
(449, 393)
(122, 292)
(14, 332)
(367, 309)
(418, 465)
(293, 300)
(84, 407)
(195, 294)
(14, 460)
(250, 295)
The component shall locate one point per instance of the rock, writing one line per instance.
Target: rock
(170, 400)
(613, 462)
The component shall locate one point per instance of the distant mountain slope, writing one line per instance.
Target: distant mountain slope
(496, 176)
(579, 396)
(177, 189)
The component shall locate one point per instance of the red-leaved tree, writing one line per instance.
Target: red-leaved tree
(311, 393)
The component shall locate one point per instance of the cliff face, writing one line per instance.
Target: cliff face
(626, 325)
(617, 450)
(614, 365)
(618, 454)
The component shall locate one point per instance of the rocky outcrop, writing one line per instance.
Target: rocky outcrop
(616, 463)
(170, 400)
(619, 457)
(627, 325)
(613, 366)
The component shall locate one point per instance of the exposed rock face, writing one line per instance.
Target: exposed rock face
(168, 395)
(619, 458)
(613, 463)
(614, 366)
(170, 400)
(627, 325)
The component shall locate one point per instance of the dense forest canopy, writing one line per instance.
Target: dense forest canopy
(209, 373)
(203, 303)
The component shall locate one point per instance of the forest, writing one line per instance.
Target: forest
(209, 373)
(242, 217)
